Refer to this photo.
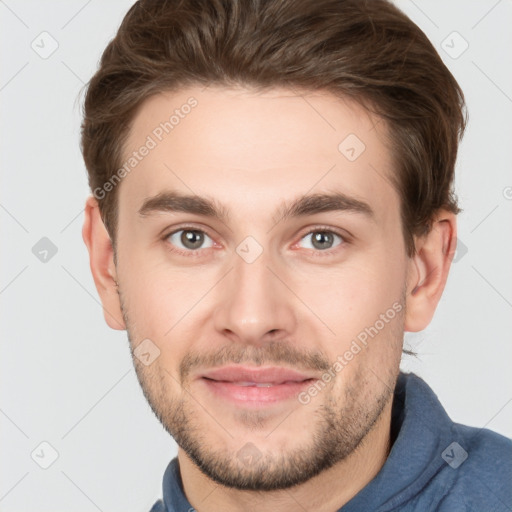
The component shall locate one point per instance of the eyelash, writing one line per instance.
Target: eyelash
(197, 252)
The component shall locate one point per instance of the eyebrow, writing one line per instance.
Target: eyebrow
(209, 207)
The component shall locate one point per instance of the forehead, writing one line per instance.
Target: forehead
(244, 147)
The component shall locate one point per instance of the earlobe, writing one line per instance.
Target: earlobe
(428, 271)
(101, 260)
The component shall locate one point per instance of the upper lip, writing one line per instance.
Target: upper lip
(269, 374)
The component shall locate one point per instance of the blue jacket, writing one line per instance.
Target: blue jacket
(434, 464)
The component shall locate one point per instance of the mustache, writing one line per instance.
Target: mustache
(274, 352)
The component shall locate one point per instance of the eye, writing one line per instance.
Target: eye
(322, 239)
(190, 239)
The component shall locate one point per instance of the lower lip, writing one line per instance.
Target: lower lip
(253, 395)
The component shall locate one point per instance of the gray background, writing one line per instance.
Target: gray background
(68, 380)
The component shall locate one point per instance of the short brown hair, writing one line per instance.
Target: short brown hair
(368, 51)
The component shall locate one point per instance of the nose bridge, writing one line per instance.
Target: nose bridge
(253, 301)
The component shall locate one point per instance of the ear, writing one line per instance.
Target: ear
(428, 271)
(101, 259)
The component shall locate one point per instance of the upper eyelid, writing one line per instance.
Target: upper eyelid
(185, 228)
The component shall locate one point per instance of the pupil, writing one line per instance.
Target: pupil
(192, 239)
(321, 239)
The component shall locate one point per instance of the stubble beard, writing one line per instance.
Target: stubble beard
(337, 428)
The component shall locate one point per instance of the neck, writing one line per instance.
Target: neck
(325, 492)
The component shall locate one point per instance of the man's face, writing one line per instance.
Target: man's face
(256, 290)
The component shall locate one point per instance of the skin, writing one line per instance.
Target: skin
(296, 305)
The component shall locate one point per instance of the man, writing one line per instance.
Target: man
(272, 209)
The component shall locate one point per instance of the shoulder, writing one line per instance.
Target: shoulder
(466, 468)
(480, 463)
(158, 507)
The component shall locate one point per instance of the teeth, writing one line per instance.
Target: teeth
(257, 384)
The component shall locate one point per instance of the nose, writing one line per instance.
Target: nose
(254, 304)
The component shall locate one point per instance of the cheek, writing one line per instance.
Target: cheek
(351, 296)
(159, 303)
(147, 293)
(161, 300)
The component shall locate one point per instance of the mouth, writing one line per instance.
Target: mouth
(254, 375)
(256, 386)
